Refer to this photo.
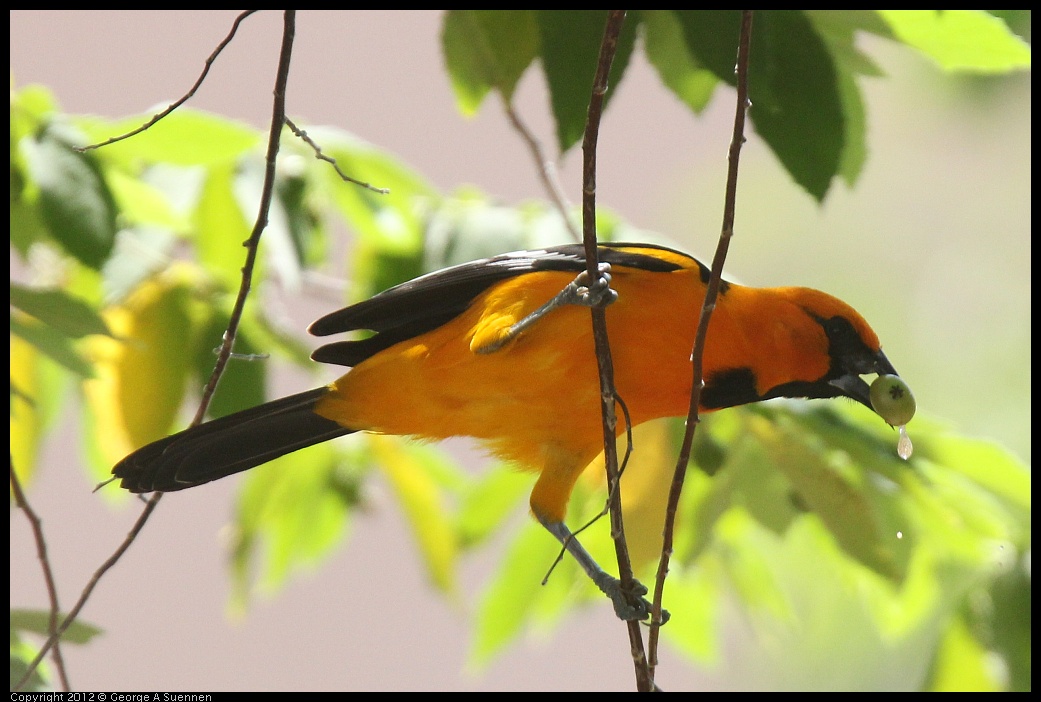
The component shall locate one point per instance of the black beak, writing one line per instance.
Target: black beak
(852, 386)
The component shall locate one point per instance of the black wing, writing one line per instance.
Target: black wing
(228, 445)
(425, 303)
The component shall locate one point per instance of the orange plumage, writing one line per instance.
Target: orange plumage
(429, 370)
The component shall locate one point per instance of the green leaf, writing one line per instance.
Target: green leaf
(37, 621)
(854, 152)
(834, 490)
(1008, 627)
(1018, 21)
(390, 226)
(987, 464)
(74, 201)
(838, 30)
(515, 595)
(693, 597)
(69, 315)
(31, 106)
(960, 40)
(21, 655)
(410, 470)
(277, 247)
(140, 253)
(185, 138)
(746, 552)
(961, 663)
(142, 203)
(388, 220)
(469, 226)
(570, 46)
(796, 103)
(304, 222)
(53, 344)
(27, 225)
(272, 338)
(952, 524)
(677, 68)
(487, 50)
(292, 511)
(490, 501)
(706, 499)
(220, 228)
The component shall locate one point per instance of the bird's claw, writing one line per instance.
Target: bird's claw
(629, 604)
(597, 293)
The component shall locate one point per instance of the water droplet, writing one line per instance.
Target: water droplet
(904, 447)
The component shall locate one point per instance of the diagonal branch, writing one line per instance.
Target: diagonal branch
(85, 594)
(187, 96)
(278, 120)
(251, 244)
(301, 134)
(546, 168)
(711, 292)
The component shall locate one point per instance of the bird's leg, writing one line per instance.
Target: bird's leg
(578, 292)
(629, 603)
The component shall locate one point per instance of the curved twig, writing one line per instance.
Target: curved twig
(251, 244)
(711, 292)
(301, 134)
(48, 577)
(187, 96)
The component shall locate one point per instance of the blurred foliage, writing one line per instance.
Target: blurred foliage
(803, 516)
(803, 68)
(37, 623)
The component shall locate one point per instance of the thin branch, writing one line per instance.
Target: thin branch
(608, 47)
(711, 293)
(610, 496)
(48, 575)
(94, 580)
(546, 167)
(277, 121)
(187, 96)
(322, 157)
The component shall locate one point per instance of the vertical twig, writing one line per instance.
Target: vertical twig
(711, 292)
(277, 121)
(605, 366)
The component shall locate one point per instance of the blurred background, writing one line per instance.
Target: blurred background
(932, 245)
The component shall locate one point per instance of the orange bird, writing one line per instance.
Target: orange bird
(501, 350)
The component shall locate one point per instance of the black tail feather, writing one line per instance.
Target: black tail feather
(228, 445)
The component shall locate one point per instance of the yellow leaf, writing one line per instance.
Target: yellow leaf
(141, 371)
(407, 468)
(645, 487)
(26, 422)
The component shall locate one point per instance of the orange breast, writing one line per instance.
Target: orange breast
(543, 388)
